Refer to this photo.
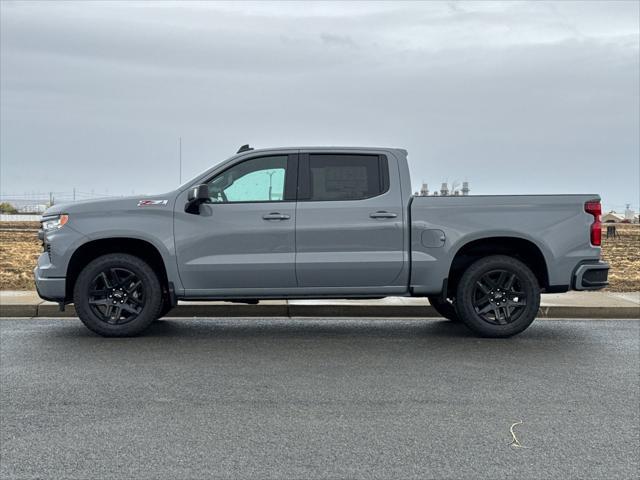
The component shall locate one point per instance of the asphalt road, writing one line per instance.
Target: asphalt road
(319, 398)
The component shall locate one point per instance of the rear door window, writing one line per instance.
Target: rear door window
(335, 177)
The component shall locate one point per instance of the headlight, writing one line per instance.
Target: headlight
(54, 223)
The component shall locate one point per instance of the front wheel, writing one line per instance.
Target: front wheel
(498, 296)
(117, 295)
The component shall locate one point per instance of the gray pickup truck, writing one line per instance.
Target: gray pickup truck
(312, 222)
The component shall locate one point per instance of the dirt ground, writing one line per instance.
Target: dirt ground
(19, 250)
(623, 254)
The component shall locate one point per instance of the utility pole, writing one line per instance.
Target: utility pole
(180, 157)
(270, 182)
(74, 194)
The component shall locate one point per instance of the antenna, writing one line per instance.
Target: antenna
(244, 148)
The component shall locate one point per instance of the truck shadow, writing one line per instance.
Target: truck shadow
(418, 329)
(547, 340)
(307, 327)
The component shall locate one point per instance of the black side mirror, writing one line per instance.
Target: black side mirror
(197, 195)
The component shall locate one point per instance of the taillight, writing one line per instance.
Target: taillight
(594, 208)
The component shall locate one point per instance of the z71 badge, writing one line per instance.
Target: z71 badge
(150, 203)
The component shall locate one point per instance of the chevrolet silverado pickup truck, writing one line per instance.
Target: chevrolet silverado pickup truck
(309, 222)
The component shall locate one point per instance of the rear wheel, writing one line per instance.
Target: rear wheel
(498, 296)
(117, 295)
(445, 307)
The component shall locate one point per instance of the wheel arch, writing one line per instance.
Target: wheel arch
(93, 249)
(520, 248)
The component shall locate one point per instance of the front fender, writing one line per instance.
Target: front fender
(154, 226)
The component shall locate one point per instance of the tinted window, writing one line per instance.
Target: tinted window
(256, 180)
(344, 177)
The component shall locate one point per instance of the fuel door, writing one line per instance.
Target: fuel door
(433, 238)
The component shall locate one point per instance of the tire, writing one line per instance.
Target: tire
(166, 308)
(445, 308)
(117, 295)
(498, 296)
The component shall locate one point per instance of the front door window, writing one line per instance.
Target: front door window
(256, 180)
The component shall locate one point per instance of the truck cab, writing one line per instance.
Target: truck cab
(296, 223)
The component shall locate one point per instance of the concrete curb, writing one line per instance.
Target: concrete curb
(335, 310)
(18, 310)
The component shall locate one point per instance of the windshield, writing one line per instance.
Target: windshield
(193, 179)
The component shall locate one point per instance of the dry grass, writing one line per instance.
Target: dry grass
(19, 250)
(623, 254)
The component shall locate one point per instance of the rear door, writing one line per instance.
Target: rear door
(349, 222)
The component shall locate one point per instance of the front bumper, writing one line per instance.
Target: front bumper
(591, 276)
(49, 288)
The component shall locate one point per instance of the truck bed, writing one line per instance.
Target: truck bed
(441, 226)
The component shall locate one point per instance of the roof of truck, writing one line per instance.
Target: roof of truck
(247, 148)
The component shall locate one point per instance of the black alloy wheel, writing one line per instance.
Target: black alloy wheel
(498, 297)
(116, 295)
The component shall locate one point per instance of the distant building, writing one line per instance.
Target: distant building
(444, 190)
(612, 217)
(32, 208)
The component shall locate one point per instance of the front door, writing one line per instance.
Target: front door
(349, 223)
(243, 239)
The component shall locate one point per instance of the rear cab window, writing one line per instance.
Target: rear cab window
(342, 176)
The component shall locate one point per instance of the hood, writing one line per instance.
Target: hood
(113, 204)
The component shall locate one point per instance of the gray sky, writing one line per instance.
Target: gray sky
(537, 97)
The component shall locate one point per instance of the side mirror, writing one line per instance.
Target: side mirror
(197, 195)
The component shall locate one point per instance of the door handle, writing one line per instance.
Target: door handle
(382, 214)
(276, 216)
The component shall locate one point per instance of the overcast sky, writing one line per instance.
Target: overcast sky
(536, 97)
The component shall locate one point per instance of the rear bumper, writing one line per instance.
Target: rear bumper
(591, 276)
